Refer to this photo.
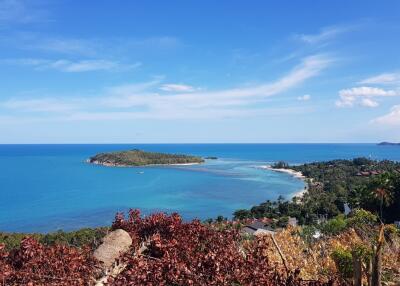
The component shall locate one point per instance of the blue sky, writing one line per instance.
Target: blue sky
(199, 71)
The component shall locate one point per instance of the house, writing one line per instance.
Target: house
(397, 223)
(258, 227)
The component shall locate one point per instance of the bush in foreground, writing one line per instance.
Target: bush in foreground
(165, 251)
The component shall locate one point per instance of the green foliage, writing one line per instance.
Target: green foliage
(282, 221)
(220, 218)
(392, 232)
(242, 214)
(331, 184)
(307, 233)
(141, 158)
(280, 165)
(362, 251)
(79, 238)
(362, 161)
(344, 262)
(334, 226)
(85, 236)
(13, 240)
(361, 218)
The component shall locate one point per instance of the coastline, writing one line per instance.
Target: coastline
(293, 173)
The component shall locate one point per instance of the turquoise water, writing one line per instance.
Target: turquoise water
(50, 187)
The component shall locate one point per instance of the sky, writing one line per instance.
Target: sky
(207, 71)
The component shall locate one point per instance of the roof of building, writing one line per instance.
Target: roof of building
(256, 226)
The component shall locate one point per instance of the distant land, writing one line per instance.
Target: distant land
(388, 144)
(134, 158)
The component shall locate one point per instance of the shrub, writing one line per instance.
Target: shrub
(335, 225)
(307, 233)
(344, 262)
(361, 217)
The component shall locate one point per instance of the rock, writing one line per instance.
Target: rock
(114, 245)
(261, 232)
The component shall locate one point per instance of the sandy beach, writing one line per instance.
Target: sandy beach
(287, 171)
(139, 166)
(293, 173)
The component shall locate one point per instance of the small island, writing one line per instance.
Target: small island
(135, 158)
(388, 144)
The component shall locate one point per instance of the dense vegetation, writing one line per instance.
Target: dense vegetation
(165, 251)
(168, 251)
(141, 158)
(361, 183)
(83, 237)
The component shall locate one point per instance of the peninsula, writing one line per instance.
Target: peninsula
(135, 157)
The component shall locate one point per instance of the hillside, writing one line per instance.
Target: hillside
(331, 185)
(141, 158)
(164, 250)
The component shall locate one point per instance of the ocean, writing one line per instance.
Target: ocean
(50, 187)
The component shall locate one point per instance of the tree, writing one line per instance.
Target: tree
(242, 214)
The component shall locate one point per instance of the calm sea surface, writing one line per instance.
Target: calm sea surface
(50, 187)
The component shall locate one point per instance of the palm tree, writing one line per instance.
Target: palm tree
(382, 191)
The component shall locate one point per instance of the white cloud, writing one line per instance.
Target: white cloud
(305, 97)
(65, 45)
(362, 95)
(367, 102)
(385, 78)
(143, 100)
(72, 66)
(41, 105)
(177, 87)
(391, 119)
(325, 34)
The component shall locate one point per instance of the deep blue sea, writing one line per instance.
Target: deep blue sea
(50, 187)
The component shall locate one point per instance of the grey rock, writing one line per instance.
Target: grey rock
(114, 245)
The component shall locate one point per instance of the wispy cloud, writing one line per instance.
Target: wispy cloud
(65, 65)
(41, 105)
(177, 87)
(143, 100)
(390, 119)
(383, 79)
(363, 96)
(305, 97)
(69, 46)
(324, 35)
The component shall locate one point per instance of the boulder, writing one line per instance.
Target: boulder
(261, 232)
(114, 245)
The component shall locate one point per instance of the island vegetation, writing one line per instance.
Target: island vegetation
(211, 158)
(132, 158)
